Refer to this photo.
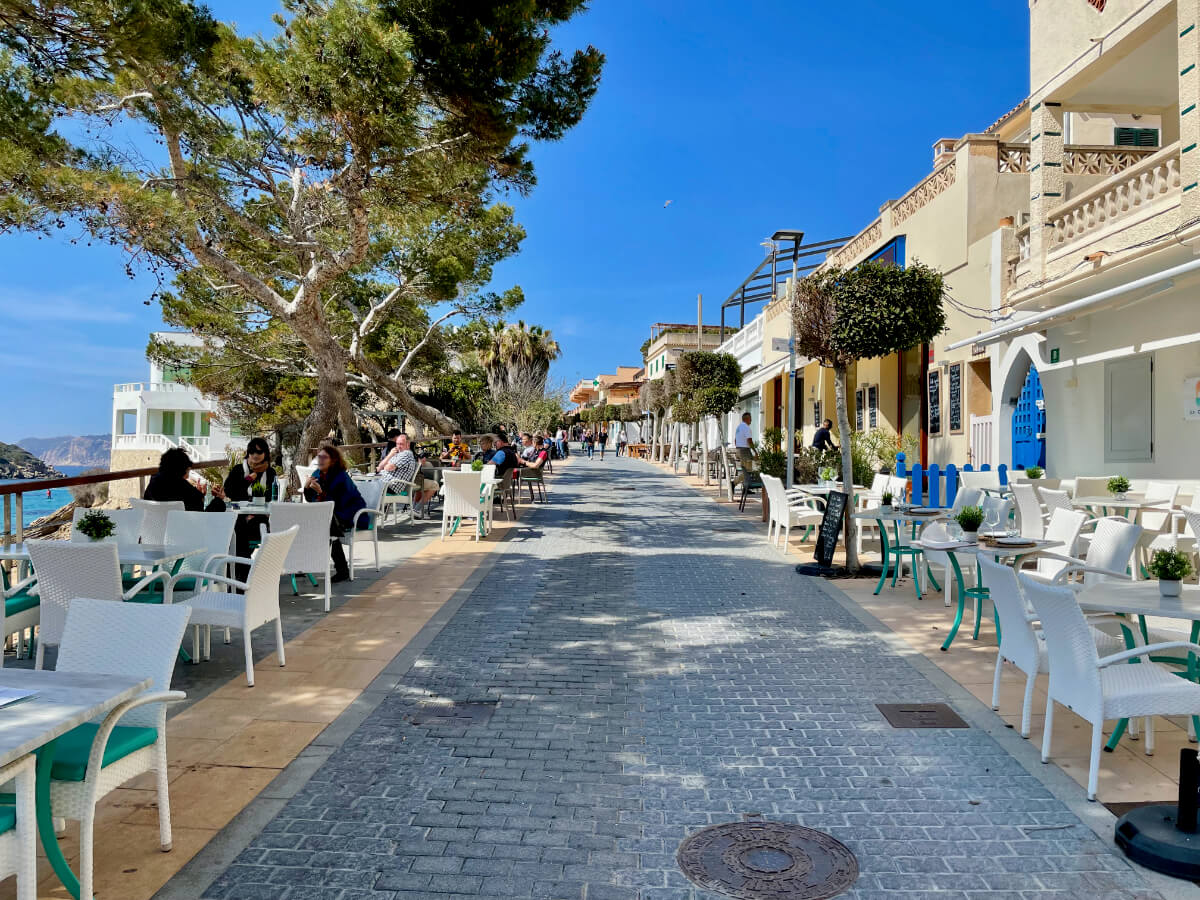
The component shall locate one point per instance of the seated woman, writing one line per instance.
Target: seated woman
(255, 468)
(171, 483)
(331, 482)
(536, 460)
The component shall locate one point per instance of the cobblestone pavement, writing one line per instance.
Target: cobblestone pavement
(657, 669)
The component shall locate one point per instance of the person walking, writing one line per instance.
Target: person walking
(822, 440)
(588, 439)
(622, 440)
(743, 443)
(602, 439)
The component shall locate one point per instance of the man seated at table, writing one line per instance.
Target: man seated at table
(486, 450)
(458, 451)
(526, 452)
(399, 468)
(505, 458)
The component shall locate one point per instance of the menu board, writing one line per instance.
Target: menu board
(831, 527)
(954, 397)
(935, 401)
(858, 410)
(873, 405)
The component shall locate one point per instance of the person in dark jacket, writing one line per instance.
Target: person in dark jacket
(331, 482)
(171, 483)
(255, 468)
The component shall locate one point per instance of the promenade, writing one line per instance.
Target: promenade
(634, 664)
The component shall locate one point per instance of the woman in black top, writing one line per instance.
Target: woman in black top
(255, 468)
(171, 483)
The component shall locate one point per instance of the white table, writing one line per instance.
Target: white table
(148, 555)
(63, 701)
(1109, 501)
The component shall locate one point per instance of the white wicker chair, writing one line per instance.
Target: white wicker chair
(980, 480)
(128, 524)
(309, 553)
(18, 829)
(936, 531)
(372, 490)
(1064, 528)
(1001, 507)
(1158, 522)
(465, 496)
(1107, 558)
(1030, 517)
(966, 497)
(258, 605)
(1098, 688)
(786, 512)
(1055, 499)
(21, 610)
(154, 518)
(69, 569)
(1020, 643)
(93, 759)
(304, 473)
(1091, 486)
(211, 530)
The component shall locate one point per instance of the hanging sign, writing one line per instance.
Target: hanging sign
(1191, 398)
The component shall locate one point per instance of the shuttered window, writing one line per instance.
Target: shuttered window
(1135, 137)
(1129, 410)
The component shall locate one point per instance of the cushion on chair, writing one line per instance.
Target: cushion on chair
(72, 749)
(8, 818)
(20, 603)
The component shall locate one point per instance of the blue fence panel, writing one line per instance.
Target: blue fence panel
(900, 460)
(935, 486)
(951, 484)
(1003, 474)
(917, 484)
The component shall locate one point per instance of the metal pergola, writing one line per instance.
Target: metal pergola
(789, 248)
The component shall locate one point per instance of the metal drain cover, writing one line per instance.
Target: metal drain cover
(754, 860)
(921, 715)
(453, 715)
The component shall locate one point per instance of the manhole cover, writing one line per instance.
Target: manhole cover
(453, 715)
(767, 859)
(921, 715)
(619, 488)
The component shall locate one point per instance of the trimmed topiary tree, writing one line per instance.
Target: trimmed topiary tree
(870, 311)
(713, 382)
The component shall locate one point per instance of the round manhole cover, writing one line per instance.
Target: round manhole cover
(756, 860)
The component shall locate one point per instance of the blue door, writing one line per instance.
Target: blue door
(1029, 424)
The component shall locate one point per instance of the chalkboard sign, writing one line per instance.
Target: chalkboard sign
(873, 405)
(858, 410)
(831, 527)
(954, 389)
(935, 401)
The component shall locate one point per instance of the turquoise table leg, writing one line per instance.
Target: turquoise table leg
(899, 558)
(883, 545)
(45, 822)
(1119, 731)
(962, 599)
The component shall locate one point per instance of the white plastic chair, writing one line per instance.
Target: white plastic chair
(128, 523)
(257, 605)
(1107, 558)
(1098, 688)
(129, 639)
(18, 829)
(1030, 517)
(788, 512)
(69, 569)
(372, 490)
(465, 496)
(309, 553)
(154, 518)
(1020, 643)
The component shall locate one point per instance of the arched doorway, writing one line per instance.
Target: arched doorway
(1029, 424)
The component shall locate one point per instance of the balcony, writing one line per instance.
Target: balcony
(156, 386)
(746, 345)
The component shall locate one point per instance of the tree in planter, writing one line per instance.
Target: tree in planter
(870, 311)
(713, 382)
(652, 400)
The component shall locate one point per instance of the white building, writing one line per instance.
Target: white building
(152, 416)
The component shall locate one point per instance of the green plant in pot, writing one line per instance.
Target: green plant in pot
(773, 462)
(258, 493)
(970, 518)
(96, 525)
(1170, 567)
(1034, 472)
(1118, 485)
(477, 465)
(885, 502)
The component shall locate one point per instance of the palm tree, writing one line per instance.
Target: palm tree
(512, 350)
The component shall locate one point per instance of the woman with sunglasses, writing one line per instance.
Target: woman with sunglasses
(255, 468)
(332, 482)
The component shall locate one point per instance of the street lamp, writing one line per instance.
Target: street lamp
(795, 237)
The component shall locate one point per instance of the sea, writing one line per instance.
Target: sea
(37, 504)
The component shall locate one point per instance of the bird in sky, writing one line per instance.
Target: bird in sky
(668, 203)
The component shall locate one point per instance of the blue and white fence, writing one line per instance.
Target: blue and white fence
(935, 486)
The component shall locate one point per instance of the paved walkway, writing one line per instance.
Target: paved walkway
(658, 669)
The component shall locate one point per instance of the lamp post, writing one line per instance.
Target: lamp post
(795, 237)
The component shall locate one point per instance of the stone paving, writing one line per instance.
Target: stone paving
(640, 665)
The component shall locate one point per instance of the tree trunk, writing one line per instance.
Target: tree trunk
(653, 435)
(847, 465)
(703, 426)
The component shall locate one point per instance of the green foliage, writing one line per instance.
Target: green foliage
(878, 448)
(258, 489)
(1034, 472)
(462, 394)
(772, 438)
(970, 518)
(886, 498)
(477, 465)
(96, 525)
(90, 494)
(772, 461)
(646, 347)
(809, 461)
(1170, 565)
(1118, 484)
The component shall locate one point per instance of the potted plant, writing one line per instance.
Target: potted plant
(477, 465)
(96, 525)
(827, 475)
(1034, 472)
(885, 502)
(970, 518)
(1118, 485)
(258, 493)
(1170, 567)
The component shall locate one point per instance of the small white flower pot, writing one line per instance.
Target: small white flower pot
(258, 501)
(1170, 588)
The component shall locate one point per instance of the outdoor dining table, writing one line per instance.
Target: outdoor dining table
(1015, 553)
(146, 555)
(62, 700)
(896, 515)
(1126, 504)
(1143, 598)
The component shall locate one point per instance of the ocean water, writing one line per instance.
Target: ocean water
(37, 504)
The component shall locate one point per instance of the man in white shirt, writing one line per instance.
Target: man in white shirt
(744, 444)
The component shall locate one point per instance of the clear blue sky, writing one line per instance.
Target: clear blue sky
(748, 115)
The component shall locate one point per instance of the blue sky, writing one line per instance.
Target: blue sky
(749, 116)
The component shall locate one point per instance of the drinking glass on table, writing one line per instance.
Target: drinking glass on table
(991, 521)
(954, 531)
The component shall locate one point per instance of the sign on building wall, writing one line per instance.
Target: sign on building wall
(873, 405)
(954, 397)
(1191, 398)
(935, 401)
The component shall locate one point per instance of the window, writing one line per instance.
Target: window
(1135, 137)
(1129, 410)
(175, 373)
(128, 421)
(187, 424)
(168, 422)
(858, 410)
(205, 424)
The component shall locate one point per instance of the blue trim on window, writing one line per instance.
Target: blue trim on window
(891, 252)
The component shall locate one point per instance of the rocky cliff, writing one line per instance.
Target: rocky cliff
(16, 462)
(70, 450)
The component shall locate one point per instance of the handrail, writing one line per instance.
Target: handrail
(42, 484)
(1166, 154)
